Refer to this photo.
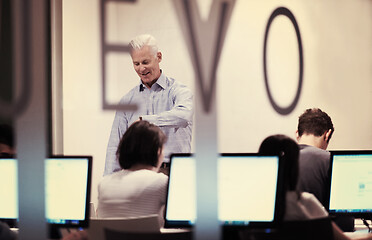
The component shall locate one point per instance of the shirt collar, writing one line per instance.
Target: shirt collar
(161, 82)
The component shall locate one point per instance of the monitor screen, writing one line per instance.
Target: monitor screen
(67, 190)
(247, 190)
(351, 183)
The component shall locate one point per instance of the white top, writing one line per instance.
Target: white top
(131, 194)
(306, 207)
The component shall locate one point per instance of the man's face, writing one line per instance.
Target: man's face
(146, 64)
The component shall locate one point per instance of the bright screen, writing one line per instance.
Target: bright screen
(181, 198)
(65, 190)
(247, 187)
(351, 182)
(67, 183)
(8, 189)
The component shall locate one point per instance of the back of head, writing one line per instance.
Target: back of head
(144, 40)
(7, 137)
(315, 122)
(140, 145)
(288, 150)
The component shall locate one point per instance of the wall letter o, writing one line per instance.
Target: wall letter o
(284, 110)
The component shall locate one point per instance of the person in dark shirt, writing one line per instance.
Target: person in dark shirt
(299, 205)
(314, 131)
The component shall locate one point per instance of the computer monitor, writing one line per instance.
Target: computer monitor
(247, 190)
(351, 183)
(67, 190)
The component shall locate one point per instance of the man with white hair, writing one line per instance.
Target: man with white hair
(161, 101)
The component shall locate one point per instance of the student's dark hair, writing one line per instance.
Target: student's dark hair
(288, 151)
(140, 145)
(314, 121)
(7, 135)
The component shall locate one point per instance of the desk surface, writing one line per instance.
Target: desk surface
(360, 229)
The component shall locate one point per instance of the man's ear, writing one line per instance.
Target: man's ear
(297, 136)
(327, 135)
(159, 56)
(160, 160)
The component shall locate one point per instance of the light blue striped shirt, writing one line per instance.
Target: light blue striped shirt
(168, 104)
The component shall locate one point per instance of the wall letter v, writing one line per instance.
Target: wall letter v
(205, 41)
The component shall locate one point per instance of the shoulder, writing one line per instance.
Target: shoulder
(162, 177)
(308, 197)
(116, 176)
(154, 180)
(159, 177)
(304, 207)
(174, 85)
(310, 200)
(311, 151)
(123, 177)
(149, 174)
(315, 208)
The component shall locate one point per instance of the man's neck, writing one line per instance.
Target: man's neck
(149, 85)
(311, 140)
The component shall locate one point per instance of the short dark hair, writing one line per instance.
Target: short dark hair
(140, 145)
(7, 135)
(314, 121)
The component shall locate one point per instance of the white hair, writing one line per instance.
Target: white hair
(144, 40)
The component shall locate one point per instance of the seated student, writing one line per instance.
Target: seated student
(138, 189)
(298, 205)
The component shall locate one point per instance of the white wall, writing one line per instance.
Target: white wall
(337, 41)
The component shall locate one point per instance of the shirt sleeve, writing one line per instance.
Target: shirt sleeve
(119, 127)
(180, 115)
